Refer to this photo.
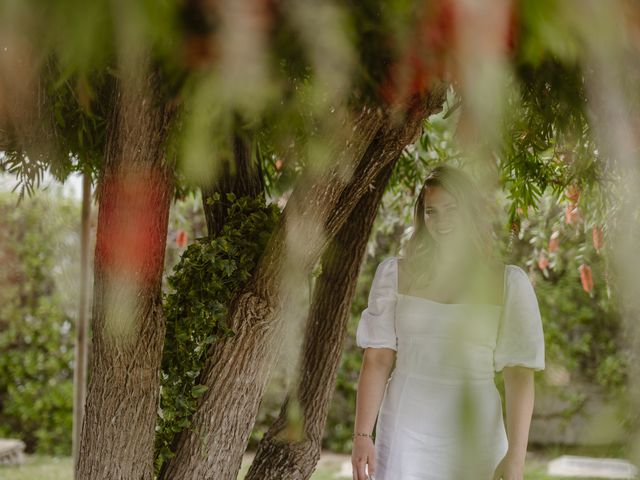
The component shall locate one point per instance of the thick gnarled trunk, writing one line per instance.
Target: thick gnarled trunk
(237, 369)
(135, 192)
(278, 457)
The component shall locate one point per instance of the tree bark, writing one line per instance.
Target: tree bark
(241, 175)
(135, 192)
(281, 457)
(81, 356)
(237, 369)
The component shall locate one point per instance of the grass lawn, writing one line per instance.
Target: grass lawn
(51, 468)
(39, 467)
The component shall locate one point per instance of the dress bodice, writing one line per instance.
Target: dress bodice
(449, 340)
(445, 341)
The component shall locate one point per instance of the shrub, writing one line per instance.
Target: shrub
(36, 329)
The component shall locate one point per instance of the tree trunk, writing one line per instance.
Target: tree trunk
(237, 369)
(135, 192)
(81, 354)
(281, 457)
(241, 175)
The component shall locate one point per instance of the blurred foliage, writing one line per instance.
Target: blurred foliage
(548, 144)
(202, 284)
(73, 48)
(341, 53)
(36, 326)
(582, 329)
(85, 47)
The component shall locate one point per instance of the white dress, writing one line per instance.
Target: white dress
(441, 414)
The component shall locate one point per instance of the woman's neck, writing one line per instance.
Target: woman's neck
(454, 259)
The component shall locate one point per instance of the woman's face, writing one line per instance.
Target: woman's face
(442, 216)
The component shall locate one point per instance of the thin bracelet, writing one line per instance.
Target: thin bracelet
(370, 435)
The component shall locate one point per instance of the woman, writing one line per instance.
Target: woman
(454, 315)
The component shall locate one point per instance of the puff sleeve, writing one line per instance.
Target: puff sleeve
(376, 327)
(520, 338)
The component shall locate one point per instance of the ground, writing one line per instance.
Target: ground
(331, 464)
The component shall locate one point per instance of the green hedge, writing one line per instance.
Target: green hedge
(36, 330)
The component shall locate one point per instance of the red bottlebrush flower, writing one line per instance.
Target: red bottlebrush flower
(543, 261)
(597, 237)
(554, 241)
(423, 57)
(586, 277)
(181, 238)
(573, 194)
(575, 214)
(199, 51)
(571, 214)
(513, 32)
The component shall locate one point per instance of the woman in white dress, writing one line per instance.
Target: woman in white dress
(449, 315)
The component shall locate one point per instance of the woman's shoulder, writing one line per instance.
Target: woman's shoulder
(510, 270)
(388, 269)
(390, 260)
(515, 272)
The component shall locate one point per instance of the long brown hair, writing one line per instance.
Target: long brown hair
(420, 250)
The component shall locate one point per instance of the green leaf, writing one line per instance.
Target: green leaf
(198, 390)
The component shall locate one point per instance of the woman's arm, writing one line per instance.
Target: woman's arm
(374, 373)
(519, 397)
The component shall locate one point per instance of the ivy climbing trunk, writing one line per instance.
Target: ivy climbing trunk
(237, 369)
(135, 192)
(240, 175)
(280, 456)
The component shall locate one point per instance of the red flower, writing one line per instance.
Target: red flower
(513, 32)
(554, 241)
(573, 193)
(543, 261)
(424, 56)
(199, 50)
(181, 238)
(597, 237)
(571, 214)
(586, 277)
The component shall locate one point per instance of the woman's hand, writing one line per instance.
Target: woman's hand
(363, 453)
(511, 467)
